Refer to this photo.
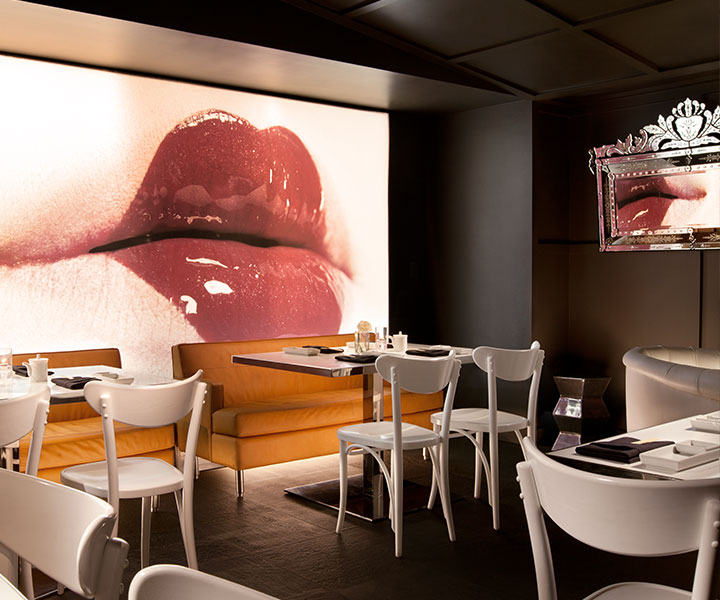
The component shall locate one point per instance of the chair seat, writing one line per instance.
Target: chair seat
(380, 435)
(139, 477)
(477, 419)
(639, 591)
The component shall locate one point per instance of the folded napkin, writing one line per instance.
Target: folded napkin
(22, 370)
(429, 352)
(358, 358)
(624, 449)
(73, 383)
(325, 349)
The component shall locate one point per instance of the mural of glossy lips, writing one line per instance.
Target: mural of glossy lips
(229, 224)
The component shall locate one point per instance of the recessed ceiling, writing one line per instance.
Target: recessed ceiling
(432, 55)
(546, 49)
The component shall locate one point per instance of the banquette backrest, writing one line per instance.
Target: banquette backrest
(243, 383)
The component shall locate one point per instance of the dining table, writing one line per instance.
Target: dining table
(680, 431)
(367, 498)
(20, 385)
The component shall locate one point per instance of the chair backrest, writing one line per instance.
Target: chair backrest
(512, 365)
(422, 376)
(63, 532)
(18, 416)
(147, 406)
(160, 582)
(624, 516)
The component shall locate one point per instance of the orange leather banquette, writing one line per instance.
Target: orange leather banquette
(74, 432)
(257, 416)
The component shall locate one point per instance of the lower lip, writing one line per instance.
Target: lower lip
(643, 215)
(229, 290)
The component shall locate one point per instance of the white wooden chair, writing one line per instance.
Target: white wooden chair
(65, 533)
(422, 376)
(144, 477)
(473, 423)
(161, 582)
(18, 417)
(632, 517)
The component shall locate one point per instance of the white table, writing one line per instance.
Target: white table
(366, 498)
(676, 431)
(19, 386)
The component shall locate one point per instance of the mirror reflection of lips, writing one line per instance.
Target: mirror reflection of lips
(643, 202)
(229, 224)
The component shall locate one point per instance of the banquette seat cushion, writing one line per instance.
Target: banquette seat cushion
(74, 435)
(259, 416)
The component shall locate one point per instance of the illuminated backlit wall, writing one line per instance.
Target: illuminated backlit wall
(139, 213)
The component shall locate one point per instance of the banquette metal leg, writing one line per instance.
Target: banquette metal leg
(240, 483)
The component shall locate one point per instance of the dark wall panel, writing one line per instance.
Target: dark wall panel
(616, 301)
(486, 199)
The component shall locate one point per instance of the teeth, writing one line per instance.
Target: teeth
(208, 218)
(195, 195)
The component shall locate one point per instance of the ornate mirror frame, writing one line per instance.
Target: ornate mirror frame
(661, 191)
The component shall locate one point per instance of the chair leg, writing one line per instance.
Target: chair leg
(184, 504)
(434, 484)
(443, 452)
(343, 487)
(494, 491)
(441, 475)
(26, 584)
(397, 500)
(145, 532)
(433, 490)
(240, 483)
(520, 440)
(478, 464)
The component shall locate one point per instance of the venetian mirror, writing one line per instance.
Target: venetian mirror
(661, 190)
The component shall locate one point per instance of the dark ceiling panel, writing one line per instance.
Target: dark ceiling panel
(452, 27)
(670, 35)
(551, 63)
(577, 12)
(340, 5)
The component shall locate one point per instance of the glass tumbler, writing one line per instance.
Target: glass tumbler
(6, 371)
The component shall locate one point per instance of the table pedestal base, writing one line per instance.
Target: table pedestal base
(362, 504)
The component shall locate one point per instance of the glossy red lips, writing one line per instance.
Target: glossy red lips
(229, 224)
(643, 202)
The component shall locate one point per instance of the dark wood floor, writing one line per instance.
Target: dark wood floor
(288, 548)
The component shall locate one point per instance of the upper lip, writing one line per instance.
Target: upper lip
(215, 175)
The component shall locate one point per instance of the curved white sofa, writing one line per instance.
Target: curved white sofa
(667, 383)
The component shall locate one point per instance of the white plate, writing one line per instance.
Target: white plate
(114, 377)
